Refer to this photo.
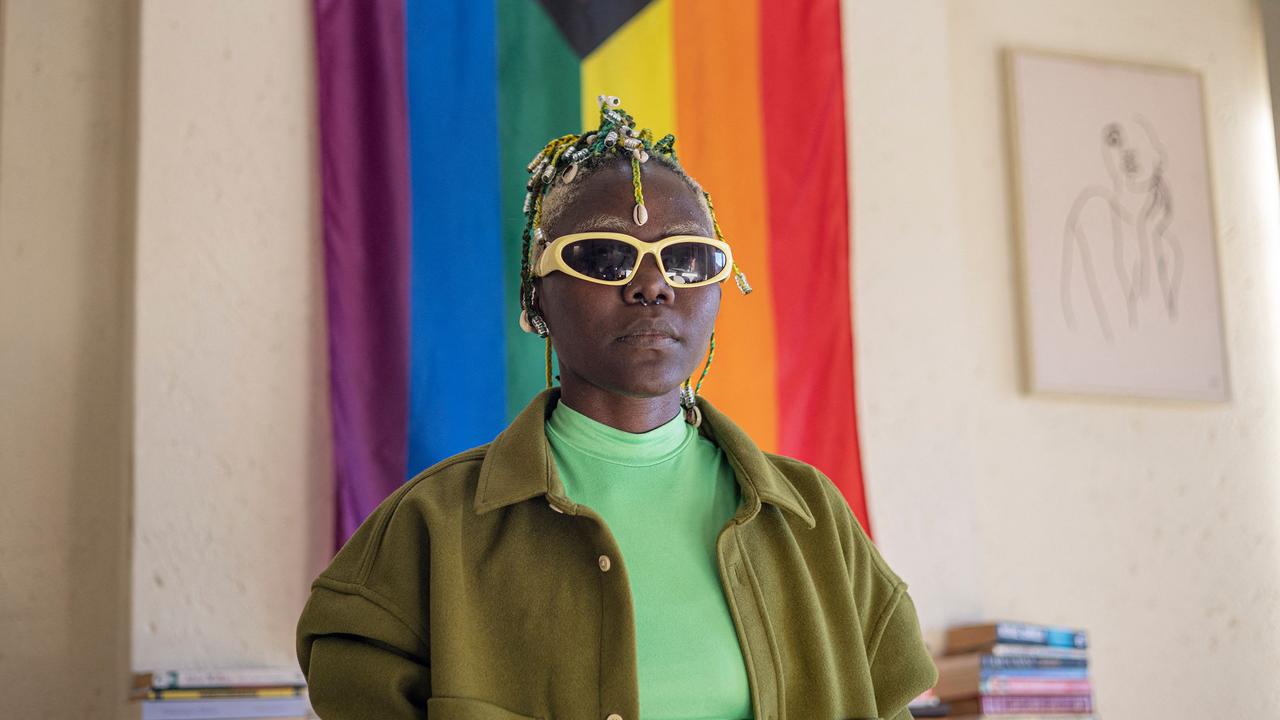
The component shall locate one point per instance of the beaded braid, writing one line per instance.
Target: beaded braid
(562, 158)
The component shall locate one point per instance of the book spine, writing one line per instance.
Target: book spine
(221, 692)
(1005, 650)
(1028, 662)
(247, 677)
(1028, 634)
(997, 704)
(1065, 674)
(1033, 686)
(224, 708)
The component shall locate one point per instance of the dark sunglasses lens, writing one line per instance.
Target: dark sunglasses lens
(691, 262)
(600, 258)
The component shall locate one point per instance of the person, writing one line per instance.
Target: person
(622, 550)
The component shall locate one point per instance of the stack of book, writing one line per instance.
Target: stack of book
(239, 693)
(1015, 671)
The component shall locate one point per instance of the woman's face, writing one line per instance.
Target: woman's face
(644, 338)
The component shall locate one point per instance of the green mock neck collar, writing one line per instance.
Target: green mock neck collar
(518, 465)
(619, 447)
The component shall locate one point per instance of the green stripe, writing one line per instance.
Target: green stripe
(538, 99)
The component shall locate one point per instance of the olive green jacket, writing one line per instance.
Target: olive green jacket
(480, 591)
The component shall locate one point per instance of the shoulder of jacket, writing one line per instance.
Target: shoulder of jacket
(454, 469)
(819, 491)
(402, 515)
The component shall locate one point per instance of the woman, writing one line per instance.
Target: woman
(622, 550)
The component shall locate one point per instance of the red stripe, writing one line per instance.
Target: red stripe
(802, 86)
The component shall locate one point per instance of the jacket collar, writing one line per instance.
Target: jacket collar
(518, 464)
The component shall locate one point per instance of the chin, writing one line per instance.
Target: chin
(649, 382)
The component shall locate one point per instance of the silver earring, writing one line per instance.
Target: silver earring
(533, 324)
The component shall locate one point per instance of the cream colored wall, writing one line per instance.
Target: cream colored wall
(66, 196)
(233, 507)
(1154, 526)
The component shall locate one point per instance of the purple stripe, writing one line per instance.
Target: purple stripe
(365, 189)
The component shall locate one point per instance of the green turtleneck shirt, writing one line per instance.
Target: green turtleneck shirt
(665, 495)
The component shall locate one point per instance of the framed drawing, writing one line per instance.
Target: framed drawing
(1119, 256)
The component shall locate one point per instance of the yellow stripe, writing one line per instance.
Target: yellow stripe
(636, 64)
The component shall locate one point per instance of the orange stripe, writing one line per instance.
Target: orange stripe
(721, 143)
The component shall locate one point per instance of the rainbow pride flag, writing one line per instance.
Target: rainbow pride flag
(429, 111)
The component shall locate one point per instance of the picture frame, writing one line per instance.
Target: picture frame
(1117, 239)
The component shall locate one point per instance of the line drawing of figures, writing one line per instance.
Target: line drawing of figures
(1131, 221)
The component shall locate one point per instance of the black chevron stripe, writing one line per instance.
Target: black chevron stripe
(586, 24)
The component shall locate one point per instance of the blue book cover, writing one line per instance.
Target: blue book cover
(1039, 674)
(1029, 634)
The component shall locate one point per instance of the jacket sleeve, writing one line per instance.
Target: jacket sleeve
(901, 666)
(362, 639)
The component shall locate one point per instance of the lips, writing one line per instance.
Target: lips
(650, 333)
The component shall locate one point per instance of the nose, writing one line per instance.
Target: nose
(648, 286)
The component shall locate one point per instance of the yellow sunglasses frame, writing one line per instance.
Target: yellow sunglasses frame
(552, 260)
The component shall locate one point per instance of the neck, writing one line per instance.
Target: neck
(630, 413)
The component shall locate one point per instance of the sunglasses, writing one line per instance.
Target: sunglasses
(611, 258)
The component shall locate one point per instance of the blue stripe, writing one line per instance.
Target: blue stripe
(457, 353)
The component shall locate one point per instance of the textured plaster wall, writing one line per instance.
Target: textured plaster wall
(233, 506)
(66, 198)
(1155, 526)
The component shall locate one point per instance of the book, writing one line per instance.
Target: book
(1038, 651)
(219, 677)
(1033, 686)
(964, 676)
(1037, 716)
(225, 708)
(1025, 704)
(927, 705)
(1010, 663)
(964, 638)
(216, 692)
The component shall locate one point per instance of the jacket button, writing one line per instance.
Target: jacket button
(605, 564)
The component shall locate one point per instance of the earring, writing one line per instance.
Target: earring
(534, 324)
